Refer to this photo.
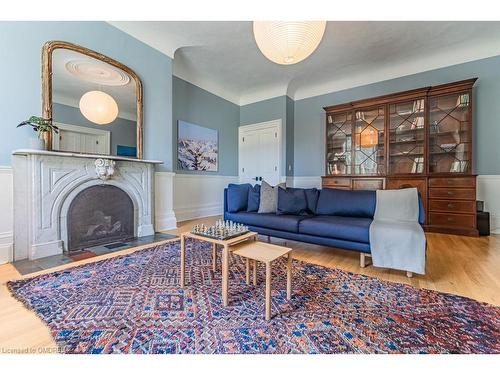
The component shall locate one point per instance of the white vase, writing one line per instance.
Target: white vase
(36, 144)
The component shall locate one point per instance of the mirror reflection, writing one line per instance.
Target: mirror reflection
(94, 104)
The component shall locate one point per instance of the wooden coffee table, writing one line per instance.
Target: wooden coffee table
(227, 246)
(265, 253)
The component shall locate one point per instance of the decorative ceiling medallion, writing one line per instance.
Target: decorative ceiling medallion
(95, 72)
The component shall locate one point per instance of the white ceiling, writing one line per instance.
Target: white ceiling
(222, 57)
(68, 88)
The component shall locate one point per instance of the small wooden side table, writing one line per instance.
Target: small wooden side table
(266, 253)
(226, 248)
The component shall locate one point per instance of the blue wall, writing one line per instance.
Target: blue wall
(21, 44)
(123, 132)
(265, 110)
(309, 122)
(200, 107)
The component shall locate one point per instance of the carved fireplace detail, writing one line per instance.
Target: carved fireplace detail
(48, 185)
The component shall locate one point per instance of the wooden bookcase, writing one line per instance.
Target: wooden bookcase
(419, 138)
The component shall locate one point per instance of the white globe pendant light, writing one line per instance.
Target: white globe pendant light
(98, 107)
(289, 42)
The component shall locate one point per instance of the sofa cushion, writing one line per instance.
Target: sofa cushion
(287, 223)
(268, 197)
(253, 199)
(351, 203)
(312, 196)
(355, 229)
(237, 197)
(291, 201)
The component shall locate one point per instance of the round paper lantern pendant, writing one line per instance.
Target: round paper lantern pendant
(98, 107)
(290, 42)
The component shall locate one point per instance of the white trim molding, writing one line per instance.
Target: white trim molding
(197, 195)
(7, 217)
(488, 188)
(305, 182)
(164, 201)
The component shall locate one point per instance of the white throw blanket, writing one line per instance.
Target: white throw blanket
(396, 238)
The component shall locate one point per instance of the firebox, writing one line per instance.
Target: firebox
(100, 215)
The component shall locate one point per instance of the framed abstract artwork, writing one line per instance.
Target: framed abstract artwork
(197, 147)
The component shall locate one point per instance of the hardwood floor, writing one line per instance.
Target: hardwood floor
(465, 266)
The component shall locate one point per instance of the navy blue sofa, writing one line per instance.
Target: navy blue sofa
(339, 218)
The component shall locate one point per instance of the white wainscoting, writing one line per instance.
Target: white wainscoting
(7, 214)
(198, 196)
(164, 213)
(164, 201)
(488, 190)
(305, 182)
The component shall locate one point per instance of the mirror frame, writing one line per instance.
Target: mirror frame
(47, 51)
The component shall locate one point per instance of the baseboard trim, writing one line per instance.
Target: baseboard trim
(495, 224)
(196, 212)
(166, 221)
(6, 247)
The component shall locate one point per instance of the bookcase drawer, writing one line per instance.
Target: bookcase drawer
(368, 184)
(443, 193)
(452, 182)
(452, 206)
(336, 182)
(452, 220)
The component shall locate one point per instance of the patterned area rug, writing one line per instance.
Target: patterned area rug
(132, 304)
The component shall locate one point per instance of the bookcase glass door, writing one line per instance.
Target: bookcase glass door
(339, 141)
(369, 142)
(407, 137)
(449, 133)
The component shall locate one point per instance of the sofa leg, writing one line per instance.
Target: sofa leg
(362, 260)
(409, 274)
(269, 239)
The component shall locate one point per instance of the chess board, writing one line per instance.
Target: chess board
(221, 230)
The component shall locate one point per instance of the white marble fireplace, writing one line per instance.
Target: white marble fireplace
(45, 183)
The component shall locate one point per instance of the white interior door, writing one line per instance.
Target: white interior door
(260, 152)
(81, 139)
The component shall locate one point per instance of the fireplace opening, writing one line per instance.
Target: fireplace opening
(100, 215)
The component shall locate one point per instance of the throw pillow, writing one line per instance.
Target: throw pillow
(237, 197)
(291, 202)
(268, 198)
(312, 196)
(351, 203)
(253, 199)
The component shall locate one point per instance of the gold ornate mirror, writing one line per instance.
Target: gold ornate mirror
(94, 100)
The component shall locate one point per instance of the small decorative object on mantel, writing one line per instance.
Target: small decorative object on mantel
(222, 230)
(44, 128)
(104, 168)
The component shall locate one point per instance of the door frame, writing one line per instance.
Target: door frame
(262, 125)
(83, 130)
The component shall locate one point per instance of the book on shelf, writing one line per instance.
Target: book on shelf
(418, 165)
(463, 100)
(417, 122)
(418, 105)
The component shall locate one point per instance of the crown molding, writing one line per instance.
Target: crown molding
(205, 84)
(442, 60)
(251, 97)
(454, 55)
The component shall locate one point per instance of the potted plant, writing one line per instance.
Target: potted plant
(44, 128)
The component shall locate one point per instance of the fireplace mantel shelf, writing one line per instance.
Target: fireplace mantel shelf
(86, 156)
